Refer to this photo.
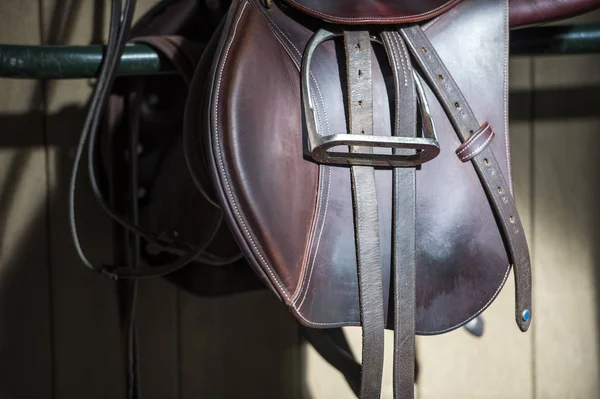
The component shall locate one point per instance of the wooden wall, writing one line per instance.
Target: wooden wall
(60, 334)
(59, 324)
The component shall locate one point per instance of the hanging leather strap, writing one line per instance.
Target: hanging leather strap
(366, 219)
(484, 161)
(403, 219)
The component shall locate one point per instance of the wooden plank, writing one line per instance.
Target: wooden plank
(87, 340)
(157, 322)
(325, 382)
(88, 336)
(566, 214)
(157, 325)
(243, 345)
(25, 311)
(566, 231)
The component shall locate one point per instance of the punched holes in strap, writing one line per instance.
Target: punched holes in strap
(476, 143)
(486, 165)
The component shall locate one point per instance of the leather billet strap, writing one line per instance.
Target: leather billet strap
(475, 144)
(357, 45)
(492, 179)
(403, 219)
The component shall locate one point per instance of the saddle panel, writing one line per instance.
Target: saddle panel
(373, 11)
(268, 189)
(294, 218)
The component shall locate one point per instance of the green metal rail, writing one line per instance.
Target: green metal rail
(556, 40)
(73, 62)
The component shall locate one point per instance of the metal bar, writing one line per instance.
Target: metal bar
(556, 40)
(75, 62)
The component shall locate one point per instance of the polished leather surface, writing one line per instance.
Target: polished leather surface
(486, 165)
(301, 235)
(373, 11)
(357, 48)
(403, 218)
(531, 12)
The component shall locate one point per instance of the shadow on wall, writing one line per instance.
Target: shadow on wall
(60, 323)
(566, 164)
(556, 104)
(26, 297)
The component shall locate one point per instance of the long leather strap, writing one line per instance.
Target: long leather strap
(403, 220)
(366, 219)
(492, 179)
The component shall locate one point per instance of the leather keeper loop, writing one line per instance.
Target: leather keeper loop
(476, 143)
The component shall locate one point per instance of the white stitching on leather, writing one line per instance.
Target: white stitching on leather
(306, 283)
(322, 103)
(404, 52)
(302, 7)
(397, 103)
(286, 42)
(473, 139)
(394, 42)
(506, 126)
(220, 156)
(311, 74)
(333, 324)
(308, 252)
(281, 36)
(478, 149)
(312, 263)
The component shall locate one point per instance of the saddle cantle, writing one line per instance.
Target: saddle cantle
(367, 180)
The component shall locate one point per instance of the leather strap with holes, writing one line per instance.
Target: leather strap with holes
(490, 174)
(404, 216)
(357, 45)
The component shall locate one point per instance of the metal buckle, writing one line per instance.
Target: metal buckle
(427, 146)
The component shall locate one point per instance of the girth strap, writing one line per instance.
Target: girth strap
(403, 219)
(357, 45)
(490, 174)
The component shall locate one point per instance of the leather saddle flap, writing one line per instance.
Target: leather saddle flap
(373, 11)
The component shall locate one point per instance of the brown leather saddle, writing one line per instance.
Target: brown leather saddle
(359, 153)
